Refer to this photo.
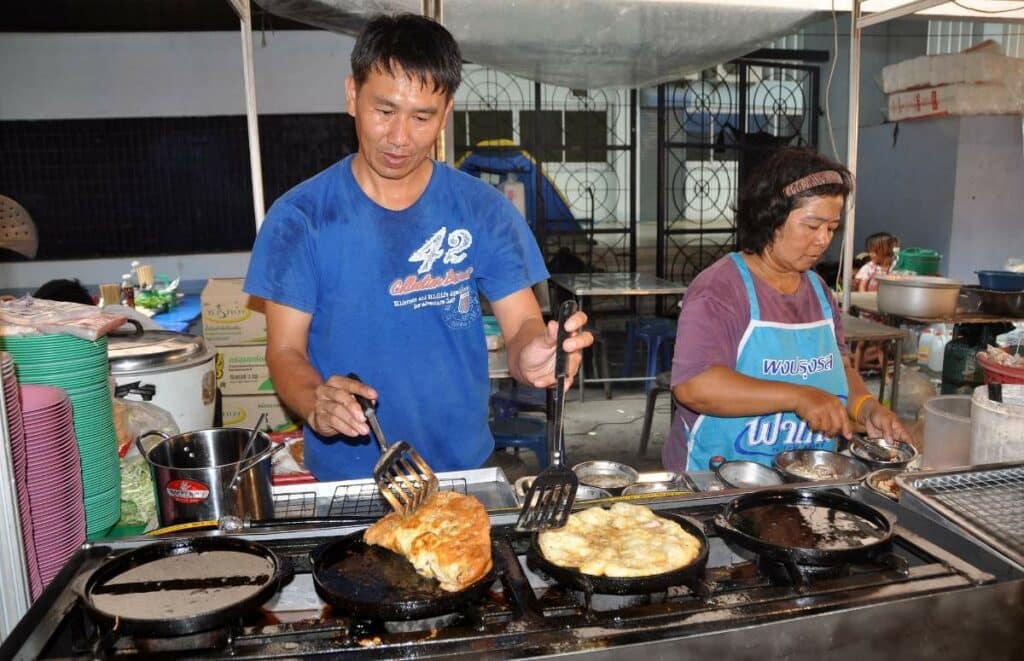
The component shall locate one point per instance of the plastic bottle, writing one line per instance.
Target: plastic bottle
(127, 290)
(937, 353)
(924, 346)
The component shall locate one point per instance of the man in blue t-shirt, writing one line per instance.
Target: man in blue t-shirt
(374, 267)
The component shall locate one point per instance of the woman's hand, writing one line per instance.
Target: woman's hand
(335, 409)
(824, 412)
(881, 422)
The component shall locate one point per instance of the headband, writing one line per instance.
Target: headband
(813, 181)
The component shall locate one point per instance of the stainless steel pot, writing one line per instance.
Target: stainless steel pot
(918, 296)
(193, 472)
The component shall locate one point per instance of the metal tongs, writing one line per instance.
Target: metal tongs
(549, 501)
(403, 477)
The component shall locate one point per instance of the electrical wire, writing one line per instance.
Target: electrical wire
(828, 84)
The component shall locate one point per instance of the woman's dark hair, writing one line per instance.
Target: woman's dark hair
(70, 291)
(763, 206)
(421, 47)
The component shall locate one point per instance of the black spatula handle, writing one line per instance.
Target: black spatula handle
(566, 310)
(367, 406)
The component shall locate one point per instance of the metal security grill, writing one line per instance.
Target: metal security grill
(713, 129)
(581, 155)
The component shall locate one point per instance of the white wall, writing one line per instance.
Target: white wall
(168, 74)
(69, 76)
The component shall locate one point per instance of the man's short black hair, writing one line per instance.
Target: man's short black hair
(71, 291)
(763, 206)
(421, 47)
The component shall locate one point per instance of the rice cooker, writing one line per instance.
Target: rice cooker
(174, 371)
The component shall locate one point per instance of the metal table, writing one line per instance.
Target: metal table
(865, 330)
(586, 285)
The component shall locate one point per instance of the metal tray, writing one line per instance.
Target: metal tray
(986, 501)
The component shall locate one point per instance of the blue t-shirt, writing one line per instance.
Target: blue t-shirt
(394, 298)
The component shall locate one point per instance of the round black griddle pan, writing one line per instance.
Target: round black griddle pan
(573, 578)
(805, 526)
(100, 583)
(372, 582)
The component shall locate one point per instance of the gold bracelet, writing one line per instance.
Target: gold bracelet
(857, 406)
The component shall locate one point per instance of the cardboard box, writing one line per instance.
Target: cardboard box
(242, 370)
(230, 316)
(967, 99)
(245, 410)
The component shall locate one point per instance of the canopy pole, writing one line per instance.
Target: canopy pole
(852, 135)
(244, 11)
(434, 9)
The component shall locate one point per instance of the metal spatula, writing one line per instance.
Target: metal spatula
(549, 501)
(403, 477)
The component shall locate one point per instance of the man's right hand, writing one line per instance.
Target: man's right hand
(336, 411)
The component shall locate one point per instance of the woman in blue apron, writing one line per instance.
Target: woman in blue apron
(760, 365)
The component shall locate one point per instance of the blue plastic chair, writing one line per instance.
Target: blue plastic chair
(659, 337)
(512, 430)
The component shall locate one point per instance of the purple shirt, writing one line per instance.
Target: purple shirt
(713, 318)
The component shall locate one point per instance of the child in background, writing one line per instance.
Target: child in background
(881, 248)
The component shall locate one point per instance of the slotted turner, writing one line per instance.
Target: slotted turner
(403, 477)
(549, 499)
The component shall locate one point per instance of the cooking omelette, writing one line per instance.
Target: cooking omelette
(622, 541)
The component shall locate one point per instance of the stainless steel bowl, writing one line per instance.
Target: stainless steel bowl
(918, 295)
(609, 475)
(747, 474)
(656, 487)
(583, 492)
(883, 453)
(882, 481)
(816, 465)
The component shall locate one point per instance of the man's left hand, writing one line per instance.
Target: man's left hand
(537, 360)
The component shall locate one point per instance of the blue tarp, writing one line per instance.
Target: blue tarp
(504, 160)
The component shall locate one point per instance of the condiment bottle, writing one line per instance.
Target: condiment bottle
(127, 290)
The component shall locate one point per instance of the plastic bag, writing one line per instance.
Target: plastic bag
(28, 315)
(132, 418)
(138, 501)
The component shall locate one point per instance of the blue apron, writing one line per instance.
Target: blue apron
(807, 354)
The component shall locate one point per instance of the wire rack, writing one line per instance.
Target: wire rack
(295, 505)
(988, 503)
(365, 500)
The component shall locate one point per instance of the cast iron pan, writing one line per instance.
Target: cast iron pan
(804, 526)
(177, 625)
(372, 582)
(573, 578)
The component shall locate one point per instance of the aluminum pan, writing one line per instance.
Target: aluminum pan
(583, 45)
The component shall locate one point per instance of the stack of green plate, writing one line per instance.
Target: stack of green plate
(80, 368)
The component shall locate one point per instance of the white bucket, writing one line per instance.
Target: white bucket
(997, 428)
(947, 431)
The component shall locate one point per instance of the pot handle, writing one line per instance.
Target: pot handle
(269, 452)
(138, 442)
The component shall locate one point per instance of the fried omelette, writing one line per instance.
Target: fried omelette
(622, 541)
(447, 538)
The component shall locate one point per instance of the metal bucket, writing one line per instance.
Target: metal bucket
(192, 474)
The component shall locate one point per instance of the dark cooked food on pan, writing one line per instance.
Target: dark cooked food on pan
(622, 541)
(447, 538)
